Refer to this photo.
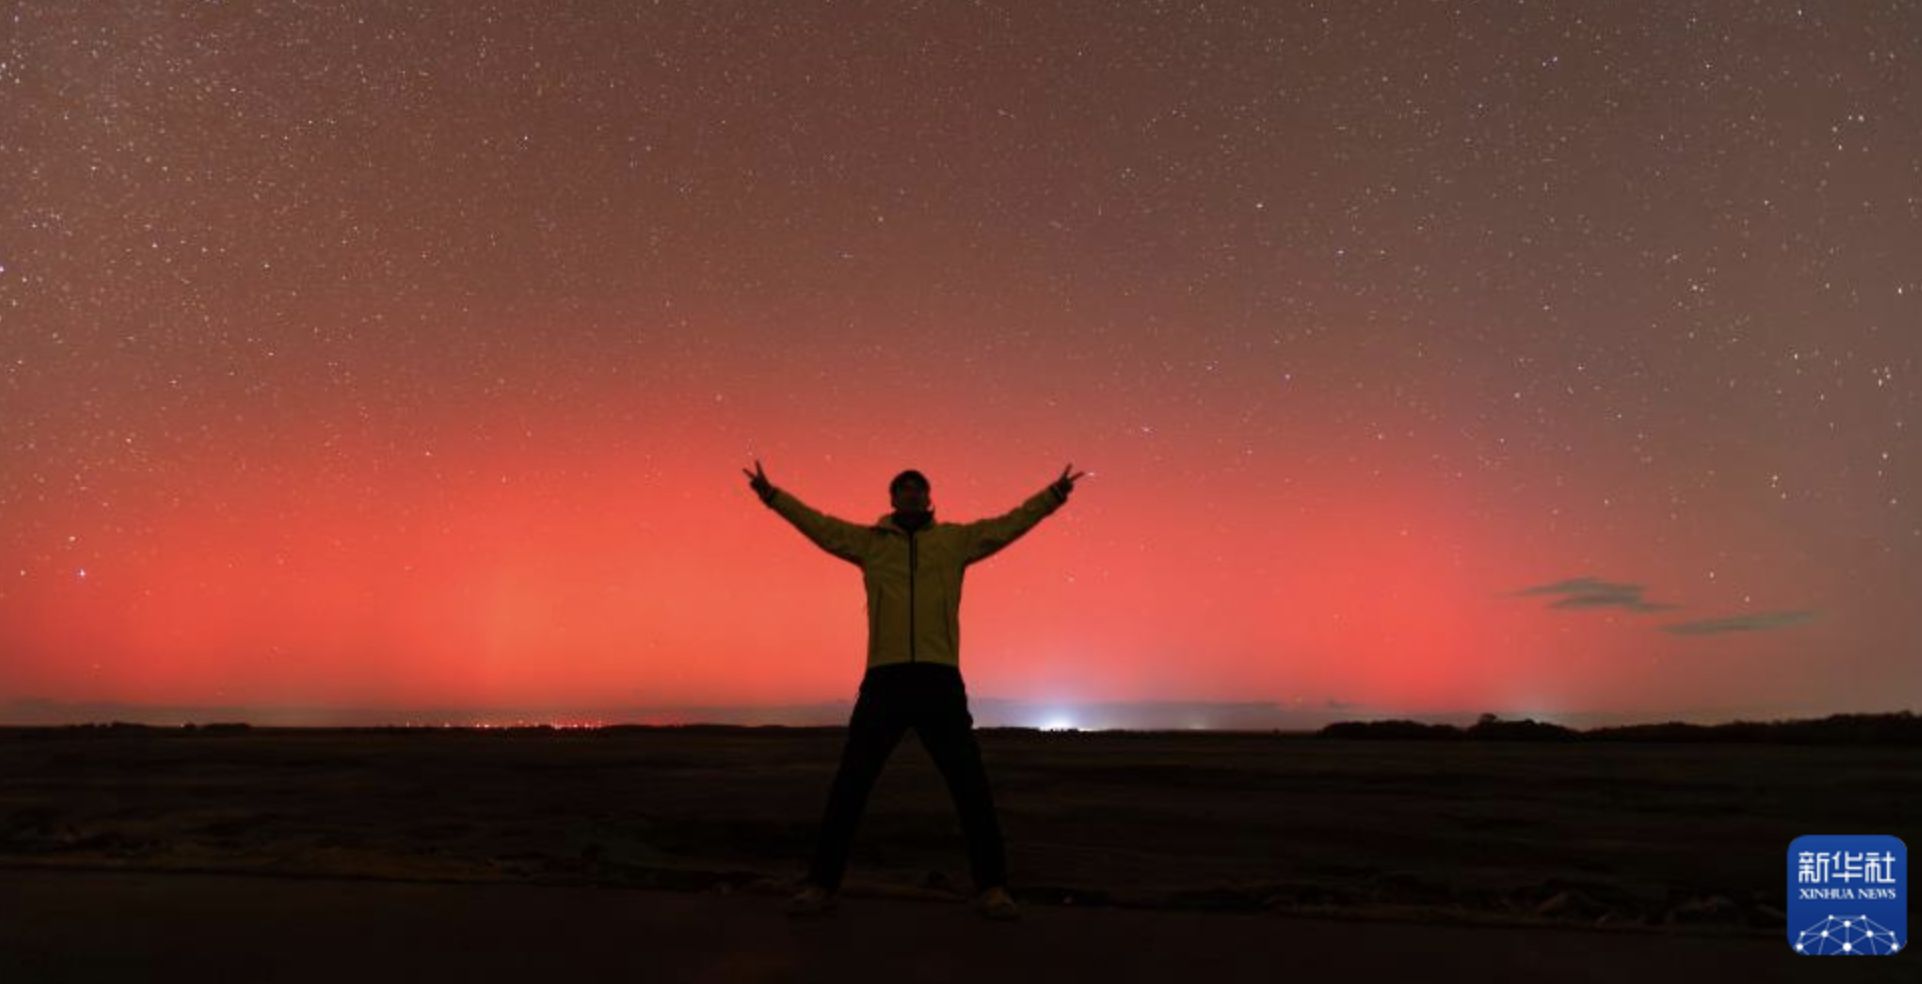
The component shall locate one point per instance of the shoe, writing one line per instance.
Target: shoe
(996, 903)
(811, 900)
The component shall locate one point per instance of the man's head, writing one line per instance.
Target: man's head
(909, 490)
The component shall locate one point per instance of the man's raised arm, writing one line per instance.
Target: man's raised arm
(985, 537)
(839, 537)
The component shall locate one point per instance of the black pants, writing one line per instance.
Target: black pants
(931, 699)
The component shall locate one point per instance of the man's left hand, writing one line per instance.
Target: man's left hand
(1065, 484)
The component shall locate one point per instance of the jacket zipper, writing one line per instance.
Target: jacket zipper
(911, 596)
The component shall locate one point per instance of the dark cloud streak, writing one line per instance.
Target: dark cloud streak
(1590, 592)
(1758, 622)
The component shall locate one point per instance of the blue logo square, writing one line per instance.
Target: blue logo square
(1848, 895)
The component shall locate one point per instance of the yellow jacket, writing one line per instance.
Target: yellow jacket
(914, 579)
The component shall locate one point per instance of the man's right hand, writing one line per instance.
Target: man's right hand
(757, 480)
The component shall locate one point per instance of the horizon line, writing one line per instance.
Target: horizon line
(1223, 716)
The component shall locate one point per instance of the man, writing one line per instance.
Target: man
(912, 567)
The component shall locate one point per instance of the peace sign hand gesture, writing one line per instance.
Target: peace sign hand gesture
(1065, 484)
(757, 479)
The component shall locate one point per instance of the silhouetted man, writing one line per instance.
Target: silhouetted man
(912, 566)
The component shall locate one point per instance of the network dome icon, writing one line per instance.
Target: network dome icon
(1847, 936)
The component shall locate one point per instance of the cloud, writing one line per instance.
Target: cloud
(1740, 623)
(1589, 592)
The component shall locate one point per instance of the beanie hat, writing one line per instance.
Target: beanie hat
(907, 476)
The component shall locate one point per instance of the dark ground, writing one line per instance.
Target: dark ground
(1266, 850)
(107, 926)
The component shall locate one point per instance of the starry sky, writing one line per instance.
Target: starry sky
(1536, 358)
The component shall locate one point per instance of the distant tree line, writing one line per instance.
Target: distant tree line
(1899, 728)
